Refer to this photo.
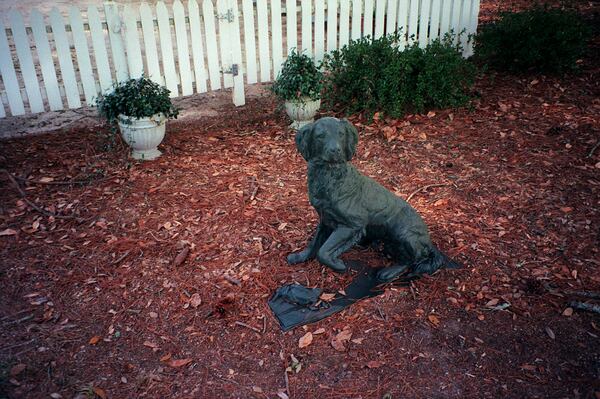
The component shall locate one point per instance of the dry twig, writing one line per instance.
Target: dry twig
(31, 203)
(239, 323)
(423, 189)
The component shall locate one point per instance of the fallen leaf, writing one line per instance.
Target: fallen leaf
(528, 367)
(8, 232)
(338, 341)
(56, 395)
(566, 209)
(100, 392)
(567, 312)
(152, 345)
(319, 331)
(94, 340)
(46, 179)
(165, 358)
(180, 258)
(179, 362)
(373, 364)
(257, 389)
(327, 297)
(17, 369)
(358, 340)
(493, 302)
(305, 340)
(433, 319)
(550, 332)
(195, 300)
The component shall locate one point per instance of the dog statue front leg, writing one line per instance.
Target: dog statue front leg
(341, 240)
(313, 247)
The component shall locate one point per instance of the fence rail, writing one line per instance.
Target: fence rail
(64, 61)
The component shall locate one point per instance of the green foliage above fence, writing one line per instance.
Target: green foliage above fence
(375, 75)
(536, 40)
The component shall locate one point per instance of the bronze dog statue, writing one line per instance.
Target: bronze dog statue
(354, 208)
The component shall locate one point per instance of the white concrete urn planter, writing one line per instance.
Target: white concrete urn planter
(302, 111)
(143, 135)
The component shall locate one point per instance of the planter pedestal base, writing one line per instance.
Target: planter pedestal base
(147, 155)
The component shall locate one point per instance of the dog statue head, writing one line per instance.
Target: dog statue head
(328, 140)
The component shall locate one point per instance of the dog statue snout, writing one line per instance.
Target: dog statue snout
(334, 151)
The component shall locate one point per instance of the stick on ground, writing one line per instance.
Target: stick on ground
(423, 189)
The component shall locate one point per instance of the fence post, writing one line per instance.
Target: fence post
(115, 32)
(239, 97)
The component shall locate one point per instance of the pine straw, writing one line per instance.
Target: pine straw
(519, 209)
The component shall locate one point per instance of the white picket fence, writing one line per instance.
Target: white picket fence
(64, 61)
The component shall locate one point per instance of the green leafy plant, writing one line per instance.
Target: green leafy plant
(540, 39)
(299, 78)
(375, 75)
(136, 98)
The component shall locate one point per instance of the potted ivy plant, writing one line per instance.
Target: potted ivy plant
(141, 108)
(299, 85)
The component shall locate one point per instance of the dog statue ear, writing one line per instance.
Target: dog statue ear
(351, 138)
(303, 139)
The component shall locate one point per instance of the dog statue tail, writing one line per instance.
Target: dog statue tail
(437, 260)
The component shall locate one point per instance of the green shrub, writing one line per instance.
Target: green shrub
(299, 78)
(540, 40)
(375, 75)
(137, 98)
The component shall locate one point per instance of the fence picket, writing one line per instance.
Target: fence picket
(472, 27)
(183, 54)
(402, 21)
(23, 49)
(239, 97)
(114, 23)
(212, 49)
(166, 48)
(392, 13)
(465, 14)
(368, 18)
(434, 24)
(344, 22)
(84, 62)
(379, 18)
(63, 51)
(413, 21)
(224, 42)
(99, 46)
(446, 17)
(291, 20)
(197, 46)
(307, 42)
(150, 49)
(276, 36)
(9, 76)
(132, 43)
(319, 30)
(332, 25)
(263, 40)
(456, 9)
(424, 23)
(38, 27)
(249, 41)
(356, 19)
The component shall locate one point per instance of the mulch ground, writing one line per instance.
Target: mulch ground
(157, 283)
